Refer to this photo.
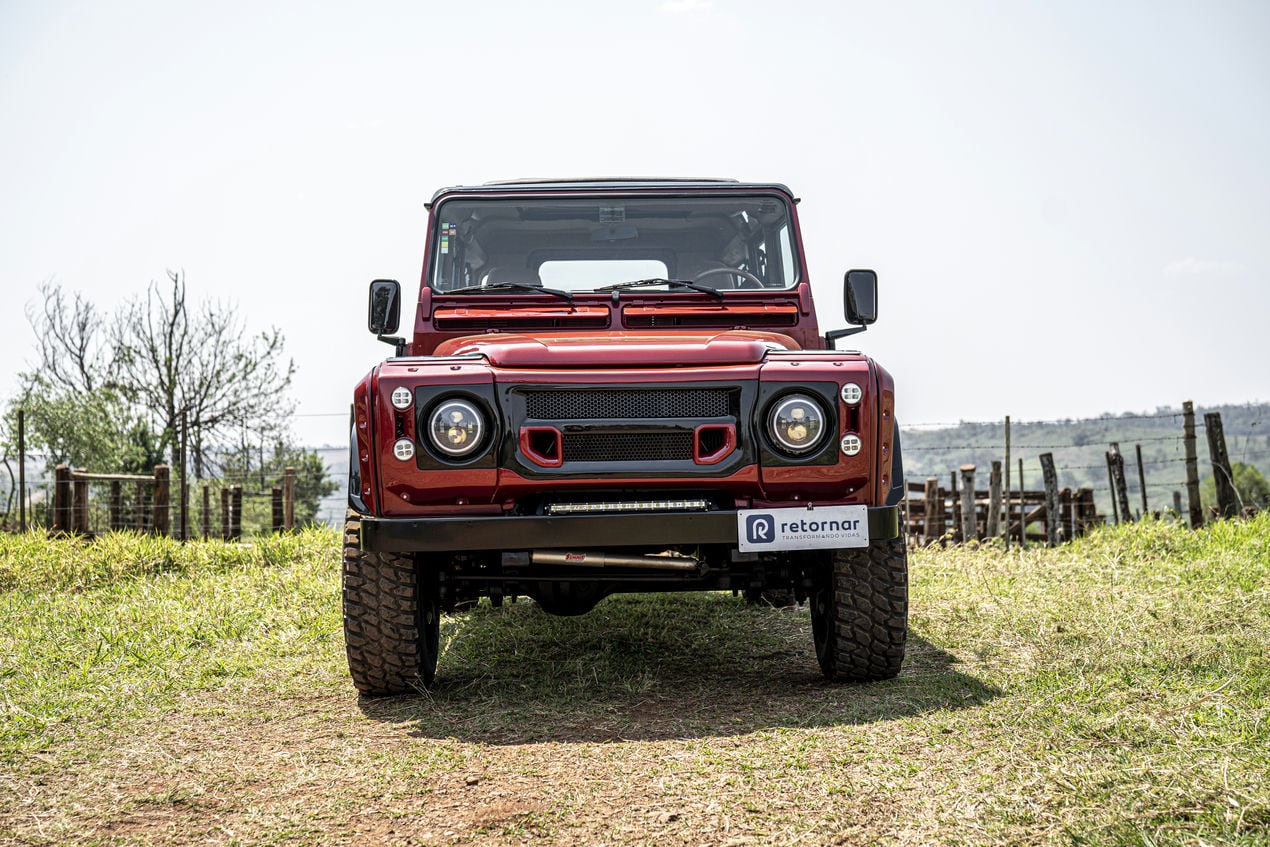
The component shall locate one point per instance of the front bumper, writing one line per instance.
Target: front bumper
(534, 532)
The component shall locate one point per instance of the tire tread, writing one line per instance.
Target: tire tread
(381, 618)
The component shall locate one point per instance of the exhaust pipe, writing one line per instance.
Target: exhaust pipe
(591, 559)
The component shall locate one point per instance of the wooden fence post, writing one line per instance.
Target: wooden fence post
(116, 505)
(1227, 497)
(1052, 514)
(184, 495)
(224, 513)
(1194, 506)
(941, 505)
(994, 501)
(1068, 521)
(1007, 483)
(1111, 486)
(1177, 503)
(21, 470)
(62, 499)
(207, 512)
(969, 521)
(288, 498)
(279, 516)
(932, 511)
(236, 510)
(1142, 480)
(79, 504)
(955, 500)
(1022, 510)
(1120, 487)
(162, 499)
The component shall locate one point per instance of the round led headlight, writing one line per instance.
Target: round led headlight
(852, 393)
(402, 398)
(456, 428)
(851, 444)
(797, 424)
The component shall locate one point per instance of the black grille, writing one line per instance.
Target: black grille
(659, 403)
(627, 446)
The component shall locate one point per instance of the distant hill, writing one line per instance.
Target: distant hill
(1080, 446)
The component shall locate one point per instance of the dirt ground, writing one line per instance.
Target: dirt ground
(762, 752)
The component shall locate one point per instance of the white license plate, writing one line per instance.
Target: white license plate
(799, 528)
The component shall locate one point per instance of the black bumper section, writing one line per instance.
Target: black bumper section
(575, 532)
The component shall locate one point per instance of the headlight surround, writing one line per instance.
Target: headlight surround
(456, 428)
(797, 424)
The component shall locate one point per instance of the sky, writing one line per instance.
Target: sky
(1067, 204)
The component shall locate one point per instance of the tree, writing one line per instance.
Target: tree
(1251, 487)
(202, 366)
(110, 391)
(95, 430)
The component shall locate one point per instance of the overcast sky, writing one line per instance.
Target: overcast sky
(1068, 204)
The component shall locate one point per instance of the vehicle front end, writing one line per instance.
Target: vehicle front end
(661, 416)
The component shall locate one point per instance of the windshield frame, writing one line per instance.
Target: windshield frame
(762, 235)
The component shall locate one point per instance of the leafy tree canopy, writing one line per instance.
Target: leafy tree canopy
(1250, 485)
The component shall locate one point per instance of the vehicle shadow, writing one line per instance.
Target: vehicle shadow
(653, 668)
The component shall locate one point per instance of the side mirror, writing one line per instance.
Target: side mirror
(860, 297)
(384, 315)
(859, 301)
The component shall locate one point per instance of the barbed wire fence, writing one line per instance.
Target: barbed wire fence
(1122, 496)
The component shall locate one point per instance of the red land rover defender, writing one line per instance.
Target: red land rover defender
(614, 386)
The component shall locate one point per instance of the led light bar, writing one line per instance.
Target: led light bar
(628, 506)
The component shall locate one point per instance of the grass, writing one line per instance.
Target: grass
(1114, 691)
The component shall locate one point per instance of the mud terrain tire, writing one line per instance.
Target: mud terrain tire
(391, 619)
(859, 612)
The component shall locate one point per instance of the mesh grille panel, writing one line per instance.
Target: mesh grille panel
(627, 446)
(660, 403)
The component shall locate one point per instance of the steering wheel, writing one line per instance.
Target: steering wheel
(736, 272)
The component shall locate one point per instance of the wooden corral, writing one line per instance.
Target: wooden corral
(961, 512)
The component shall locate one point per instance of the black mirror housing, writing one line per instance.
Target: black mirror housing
(384, 315)
(860, 297)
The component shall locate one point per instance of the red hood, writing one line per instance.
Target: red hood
(608, 349)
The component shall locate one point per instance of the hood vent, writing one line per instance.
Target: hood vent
(469, 320)
(719, 317)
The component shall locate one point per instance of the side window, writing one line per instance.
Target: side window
(786, 248)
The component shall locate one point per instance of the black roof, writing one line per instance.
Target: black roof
(619, 183)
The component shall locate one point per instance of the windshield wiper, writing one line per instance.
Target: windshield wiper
(681, 283)
(511, 286)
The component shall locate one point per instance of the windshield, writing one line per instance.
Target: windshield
(584, 244)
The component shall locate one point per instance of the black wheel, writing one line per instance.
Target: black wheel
(859, 612)
(392, 618)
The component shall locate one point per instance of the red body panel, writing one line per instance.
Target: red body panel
(767, 341)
